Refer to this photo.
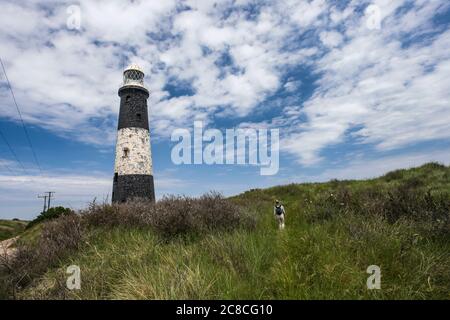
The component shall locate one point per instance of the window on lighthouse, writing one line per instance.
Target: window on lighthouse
(138, 116)
(126, 152)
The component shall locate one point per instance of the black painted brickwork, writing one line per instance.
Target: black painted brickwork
(133, 108)
(131, 186)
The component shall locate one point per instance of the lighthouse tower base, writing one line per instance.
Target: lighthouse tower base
(131, 186)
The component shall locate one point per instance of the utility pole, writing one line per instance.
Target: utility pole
(50, 195)
(45, 202)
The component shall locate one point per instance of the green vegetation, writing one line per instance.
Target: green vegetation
(50, 214)
(11, 228)
(30, 235)
(29, 231)
(334, 231)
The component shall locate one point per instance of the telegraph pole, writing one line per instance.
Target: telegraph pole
(49, 195)
(45, 202)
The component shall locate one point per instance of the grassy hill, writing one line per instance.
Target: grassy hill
(11, 228)
(231, 248)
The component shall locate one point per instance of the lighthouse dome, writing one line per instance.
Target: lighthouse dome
(134, 66)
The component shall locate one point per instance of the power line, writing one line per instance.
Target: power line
(12, 152)
(7, 167)
(21, 119)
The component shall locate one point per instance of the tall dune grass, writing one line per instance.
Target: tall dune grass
(215, 248)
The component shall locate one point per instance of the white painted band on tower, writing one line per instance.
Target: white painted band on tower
(133, 154)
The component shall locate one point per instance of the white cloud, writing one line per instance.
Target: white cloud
(306, 13)
(58, 73)
(331, 39)
(388, 94)
(372, 168)
(292, 85)
(371, 87)
(75, 191)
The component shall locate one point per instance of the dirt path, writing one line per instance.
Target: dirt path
(6, 249)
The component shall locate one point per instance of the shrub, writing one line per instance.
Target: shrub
(394, 175)
(50, 214)
(434, 166)
(172, 216)
(430, 211)
(209, 212)
(58, 238)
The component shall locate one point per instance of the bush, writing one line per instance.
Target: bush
(430, 211)
(172, 216)
(58, 238)
(50, 214)
(434, 166)
(209, 212)
(394, 175)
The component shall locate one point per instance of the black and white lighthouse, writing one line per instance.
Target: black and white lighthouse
(133, 172)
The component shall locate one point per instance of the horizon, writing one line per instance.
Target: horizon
(243, 191)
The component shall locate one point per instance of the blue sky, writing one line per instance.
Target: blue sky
(350, 100)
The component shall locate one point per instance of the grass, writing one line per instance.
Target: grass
(11, 228)
(30, 236)
(334, 231)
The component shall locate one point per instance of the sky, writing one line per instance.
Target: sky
(355, 88)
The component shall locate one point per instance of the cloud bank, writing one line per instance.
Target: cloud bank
(378, 86)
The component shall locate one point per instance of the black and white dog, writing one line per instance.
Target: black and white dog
(279, 213)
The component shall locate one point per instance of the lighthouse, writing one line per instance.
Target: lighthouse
(133, 172)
